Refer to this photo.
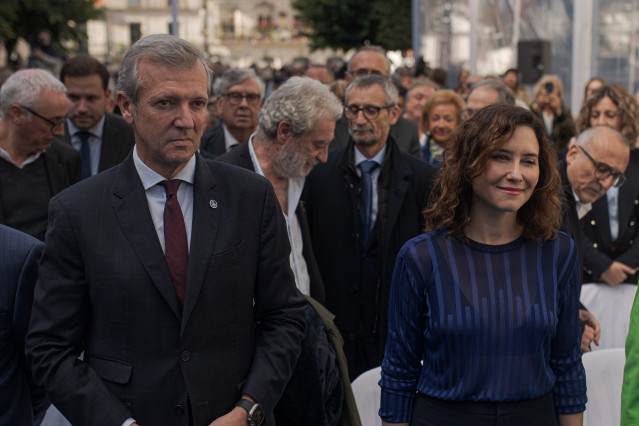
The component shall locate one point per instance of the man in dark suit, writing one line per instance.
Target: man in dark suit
(240, 94)
(593, 164)
(21, 401)
(372, 60)
(170, 272)
(363, 205)
(616, 256)
(33, 166)
(293, 135)
(103, 139)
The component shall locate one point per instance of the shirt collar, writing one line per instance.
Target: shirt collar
(229, 139)
(150, 177)
(582, 208)
(379, 158)
(33, 157)
(96, 130)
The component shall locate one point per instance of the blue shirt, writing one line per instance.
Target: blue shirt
(490, 322)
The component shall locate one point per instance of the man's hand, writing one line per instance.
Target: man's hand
(237, 417)
(592, 330)
(616, 273)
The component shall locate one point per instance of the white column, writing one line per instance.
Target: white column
(581, 50)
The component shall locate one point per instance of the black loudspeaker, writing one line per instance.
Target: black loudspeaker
(533, 60)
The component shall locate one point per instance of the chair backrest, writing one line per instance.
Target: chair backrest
(367, 396)
(604, 377)
(611, 306)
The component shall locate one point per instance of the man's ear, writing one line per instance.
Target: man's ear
(572, 153)
(16, 114)
(284, 132)
(126, 107)
(395, 112)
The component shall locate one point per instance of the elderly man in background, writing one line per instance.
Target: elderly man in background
(373, 60)
(488, 92)
(240, 95)
(33, 165)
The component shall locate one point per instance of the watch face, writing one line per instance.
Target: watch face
(257, 414)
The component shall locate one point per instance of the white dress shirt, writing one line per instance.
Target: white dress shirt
(298, 263)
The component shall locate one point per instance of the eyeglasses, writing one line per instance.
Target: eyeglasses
(53, 124)
(362, 72)
(371, 112)
(235, 98)
(604, 171)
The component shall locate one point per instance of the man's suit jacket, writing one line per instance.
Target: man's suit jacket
(332, 196)
(213, 141)
(596, 225)
(63, 167)
(571, 224)
(117, 141)
(405, 133)
(105, 288)
(21, 401)
(241, 156)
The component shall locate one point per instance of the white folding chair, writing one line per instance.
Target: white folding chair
(604, 377)
(611, 306)
(367, 396)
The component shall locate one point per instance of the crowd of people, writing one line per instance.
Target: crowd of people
(215, 247)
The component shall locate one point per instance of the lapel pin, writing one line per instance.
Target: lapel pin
(213, 204)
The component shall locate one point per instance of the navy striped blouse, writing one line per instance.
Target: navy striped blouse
(490, 322)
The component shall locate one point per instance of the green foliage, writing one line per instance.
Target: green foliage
(64, 18)
(349, 24)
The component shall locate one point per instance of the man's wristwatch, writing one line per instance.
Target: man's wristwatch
(254, 410)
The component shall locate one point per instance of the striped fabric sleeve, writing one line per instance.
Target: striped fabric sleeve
(565, 351)
(402, 361)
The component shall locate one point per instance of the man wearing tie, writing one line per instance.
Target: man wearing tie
(169, 271)
(363, 204)
(103, 139)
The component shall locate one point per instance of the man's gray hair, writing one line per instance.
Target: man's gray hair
(371, 48)
(235, 76)
(505, 96)
(159, 49)
(590, 135)
(301, 101)
(25, 87)
(371, 80)
(422, 82)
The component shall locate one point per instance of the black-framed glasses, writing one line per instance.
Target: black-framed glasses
(604, 171)
(53, 124)
(371, 112)
(235, 98)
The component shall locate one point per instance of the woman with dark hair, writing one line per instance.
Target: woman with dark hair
(612, 223)
(487, 297)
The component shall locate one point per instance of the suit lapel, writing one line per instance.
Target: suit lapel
(203, 234)
(131, 210)
(397, 187)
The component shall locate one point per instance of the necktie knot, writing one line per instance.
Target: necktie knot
(367, 166)
(171, 186)
(83, 135)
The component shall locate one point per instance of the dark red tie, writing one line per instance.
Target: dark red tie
(175, 241)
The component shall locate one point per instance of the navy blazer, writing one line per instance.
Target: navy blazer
(21, 401)
(596, 226)
(105, 288)
(117, 141)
